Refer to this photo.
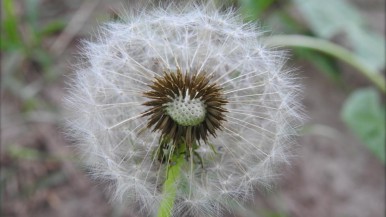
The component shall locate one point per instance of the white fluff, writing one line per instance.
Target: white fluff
(106, 95)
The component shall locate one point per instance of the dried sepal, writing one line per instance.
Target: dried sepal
(202, 110)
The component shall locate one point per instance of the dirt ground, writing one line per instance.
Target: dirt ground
(333, 174)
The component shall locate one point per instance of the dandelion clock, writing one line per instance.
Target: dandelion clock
(182, 111)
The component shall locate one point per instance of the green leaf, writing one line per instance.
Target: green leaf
(323, 62)
(32, 13)
(24, 153)
(274, 214)
(330, 18)
(280, 21)
(42, 57)
(51, 180)
(364, 115)
(53, 27)
(10, 37)
(368, 46)
(339, 16)
(253, 9)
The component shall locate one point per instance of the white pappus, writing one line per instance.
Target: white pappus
(109, 96)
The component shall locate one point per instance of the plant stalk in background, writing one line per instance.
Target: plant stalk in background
(332, 49)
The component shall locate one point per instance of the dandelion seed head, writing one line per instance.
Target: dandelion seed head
(183, 75)
(185, 108)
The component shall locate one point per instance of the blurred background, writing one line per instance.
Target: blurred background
(338, 47)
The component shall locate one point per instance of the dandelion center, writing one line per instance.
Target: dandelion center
(186, 111)
(185, 107)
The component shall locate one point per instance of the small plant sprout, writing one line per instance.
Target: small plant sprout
(182, 111)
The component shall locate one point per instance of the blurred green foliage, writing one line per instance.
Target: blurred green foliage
(365, 116)
(10, 37)
(28, 64)
(253, 10)
(362, 112)
(337, 17)
(28, 67)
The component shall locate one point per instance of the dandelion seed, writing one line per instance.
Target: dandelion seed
(188, 81)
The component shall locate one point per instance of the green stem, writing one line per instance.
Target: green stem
(331, 49)
(169, 187)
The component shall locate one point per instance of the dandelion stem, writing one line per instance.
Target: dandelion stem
(332, 49)
(169, 188)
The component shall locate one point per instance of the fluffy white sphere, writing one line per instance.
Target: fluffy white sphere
(106, 102)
